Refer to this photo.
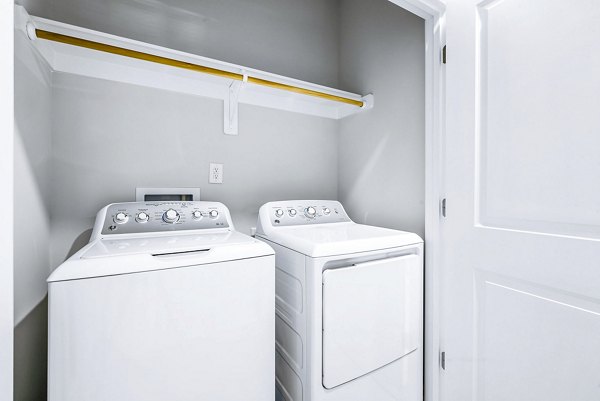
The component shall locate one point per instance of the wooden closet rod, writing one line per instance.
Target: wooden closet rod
(89, 44)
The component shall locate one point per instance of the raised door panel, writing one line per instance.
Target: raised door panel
(538, 109)
(534, 343)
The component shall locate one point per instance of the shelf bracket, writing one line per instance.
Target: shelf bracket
(231, 103)
(368, 101)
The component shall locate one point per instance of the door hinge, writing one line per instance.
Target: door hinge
(443, 207)
(443, 360)
(444, 54)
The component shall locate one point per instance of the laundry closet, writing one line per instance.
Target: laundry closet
(91, 130)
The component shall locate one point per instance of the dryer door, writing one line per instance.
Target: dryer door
(371, 316)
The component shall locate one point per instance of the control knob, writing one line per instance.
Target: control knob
(213, 214)
(196, 214)
(279, 213)
(121, 218)
(292, 212)
(142, 217)
(326, 211)
(170, 216)
(310, 212)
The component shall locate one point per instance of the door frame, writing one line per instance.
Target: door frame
(6, 200)
(433, 12)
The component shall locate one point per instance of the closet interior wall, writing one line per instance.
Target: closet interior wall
(81, 143)
(381, 153)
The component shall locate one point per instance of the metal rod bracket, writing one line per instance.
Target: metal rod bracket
(368, 101)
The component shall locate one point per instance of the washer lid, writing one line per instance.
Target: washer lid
(108, 257)
(332, 239)
(161, 244)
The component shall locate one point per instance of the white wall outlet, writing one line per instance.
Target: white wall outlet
(215, 173)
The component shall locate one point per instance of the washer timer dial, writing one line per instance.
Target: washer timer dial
(170, 216)
(310, 212)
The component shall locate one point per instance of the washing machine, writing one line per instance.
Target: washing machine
(349, 305)
(166, 302)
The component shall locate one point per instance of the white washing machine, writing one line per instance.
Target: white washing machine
(349, 305)
(166, 302)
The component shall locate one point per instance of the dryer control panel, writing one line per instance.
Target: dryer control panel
(302, 212)
(153, 217)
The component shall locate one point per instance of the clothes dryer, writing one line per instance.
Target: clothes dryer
(349, 305)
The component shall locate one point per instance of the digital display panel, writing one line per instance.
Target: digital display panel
(168, 197)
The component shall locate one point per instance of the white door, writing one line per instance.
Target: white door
(6, 199)
(521, 275)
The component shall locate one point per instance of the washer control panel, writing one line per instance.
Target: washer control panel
(294, 213)
(146, 217)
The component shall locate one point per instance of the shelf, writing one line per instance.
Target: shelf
(80, 51)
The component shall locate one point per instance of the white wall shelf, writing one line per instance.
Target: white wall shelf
(249, 86)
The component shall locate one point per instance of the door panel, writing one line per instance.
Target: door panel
(521, 280)
(529, 342)
(538, 109)
(371, 316)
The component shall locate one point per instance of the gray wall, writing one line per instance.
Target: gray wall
(109, 138)
(31, 350)
(381, 152)
(288, 37)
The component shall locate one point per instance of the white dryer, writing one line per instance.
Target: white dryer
(166, 302)
(349, 305)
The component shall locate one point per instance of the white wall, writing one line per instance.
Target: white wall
(32, 151)
(109, 138)
(288, 37)
(6, 201)
(382, 151)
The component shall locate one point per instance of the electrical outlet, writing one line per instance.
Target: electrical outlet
(215, 173)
